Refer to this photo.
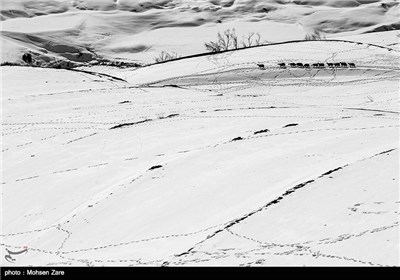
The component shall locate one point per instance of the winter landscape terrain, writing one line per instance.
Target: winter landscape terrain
(215, 159)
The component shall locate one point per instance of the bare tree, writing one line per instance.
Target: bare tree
(248, 41)
(213, 46)
(257, 39)
(234, 38)
(314, 36)
(165, 56)
(243, 42)
(225, 39)
(223, 42)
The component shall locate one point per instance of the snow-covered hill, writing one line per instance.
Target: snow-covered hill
(210, 160)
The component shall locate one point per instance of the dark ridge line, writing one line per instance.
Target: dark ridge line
(266, 107)
(129, 124)
(384, 152)
(163, 86)
(265, 45)
(373, 110)
(275, 201)
(261, 131)
(218, 110)
(143, 121)
(332, 171)
(155, 167)
(250, 108)
(169, 116)
(237, 139)
(98, 74)
(291, 124)
(80, 138)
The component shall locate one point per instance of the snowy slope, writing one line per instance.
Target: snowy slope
(206, 161)
(132, 30)
(239, 66)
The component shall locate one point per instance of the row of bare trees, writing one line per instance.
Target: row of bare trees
(228, 40)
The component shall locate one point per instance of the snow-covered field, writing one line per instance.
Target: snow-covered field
(209, 160)
(138, 30)
(223, 159)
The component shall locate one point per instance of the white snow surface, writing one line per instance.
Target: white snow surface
(139, 30)
(209, 160)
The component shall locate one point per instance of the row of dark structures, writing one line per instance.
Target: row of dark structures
(314, 65)
(318, 65)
